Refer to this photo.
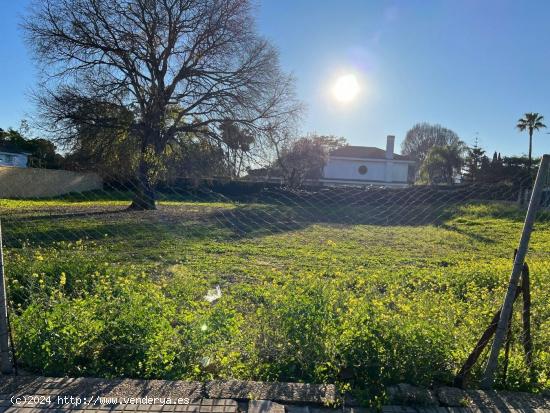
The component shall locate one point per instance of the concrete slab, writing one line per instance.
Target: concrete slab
(220, 397)
(265, 406)
(279, 392)
(200, 406)
(405, 394)
(297, 409)
(89, 387)
(453, 397)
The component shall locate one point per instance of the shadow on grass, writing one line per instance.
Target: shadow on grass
(469, 234)
(254, 221)
(119, 228)
(245, 220)
(68, 214)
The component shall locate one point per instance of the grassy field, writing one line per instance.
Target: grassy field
(360, 296)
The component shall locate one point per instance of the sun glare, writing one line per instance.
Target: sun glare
(345, 88)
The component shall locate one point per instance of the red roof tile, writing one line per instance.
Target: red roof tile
(365, 152)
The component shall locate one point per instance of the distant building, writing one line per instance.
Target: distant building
(10, 156)
(366, 165)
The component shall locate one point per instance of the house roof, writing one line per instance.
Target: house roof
(365, 152)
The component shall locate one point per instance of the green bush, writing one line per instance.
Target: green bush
(121, 330)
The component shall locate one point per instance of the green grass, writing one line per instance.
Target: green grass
(361, 296)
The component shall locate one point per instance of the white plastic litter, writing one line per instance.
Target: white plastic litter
(213, 295)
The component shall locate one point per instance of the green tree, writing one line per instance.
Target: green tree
(238, 143)
(530, 122)
(442, 164)
(508, 170)
(101, 137)
(195, 159)
(422, 137)
(42, 151)
(473, 164)
(305, 158)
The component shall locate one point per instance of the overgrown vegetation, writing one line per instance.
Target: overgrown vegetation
(308, 294)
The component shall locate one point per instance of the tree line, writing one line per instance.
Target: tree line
(443, 158)
(42, 151)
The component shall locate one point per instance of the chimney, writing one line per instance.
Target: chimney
(390, 146)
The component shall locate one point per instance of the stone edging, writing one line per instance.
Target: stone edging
(231, 389)
(259, 397)
(407, 395)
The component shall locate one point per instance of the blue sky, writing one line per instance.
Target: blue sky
(473, 66)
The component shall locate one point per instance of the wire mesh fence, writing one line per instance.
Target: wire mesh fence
(363, 286)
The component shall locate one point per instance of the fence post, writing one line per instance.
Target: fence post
(5, 362)
(490, 369)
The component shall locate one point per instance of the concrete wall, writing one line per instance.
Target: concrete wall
(13, 159)
(37, 183)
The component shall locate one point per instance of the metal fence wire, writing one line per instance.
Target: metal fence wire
(360, 286)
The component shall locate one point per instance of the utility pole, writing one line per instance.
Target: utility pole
(5, 362)
(490, 369)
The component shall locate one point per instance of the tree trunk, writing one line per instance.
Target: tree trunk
(144, 192)
(530, 152)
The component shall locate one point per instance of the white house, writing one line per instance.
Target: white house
(365, 165)
(13, 157)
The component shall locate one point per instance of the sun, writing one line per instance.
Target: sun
(346, 88)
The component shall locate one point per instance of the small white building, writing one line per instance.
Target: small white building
(365, 165)
(13, 157)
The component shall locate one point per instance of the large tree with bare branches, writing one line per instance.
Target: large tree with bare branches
(180, 66)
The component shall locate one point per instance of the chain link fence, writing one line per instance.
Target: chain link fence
(359, 286)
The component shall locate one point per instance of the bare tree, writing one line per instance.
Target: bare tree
(422, 137)
(237, 145)
(181, 66)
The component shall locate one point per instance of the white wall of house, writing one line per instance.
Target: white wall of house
(380, 171)
(13, 159)
(400, 171)
(342, 168)
(386, 170)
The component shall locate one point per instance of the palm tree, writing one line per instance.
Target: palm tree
(530, 122)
